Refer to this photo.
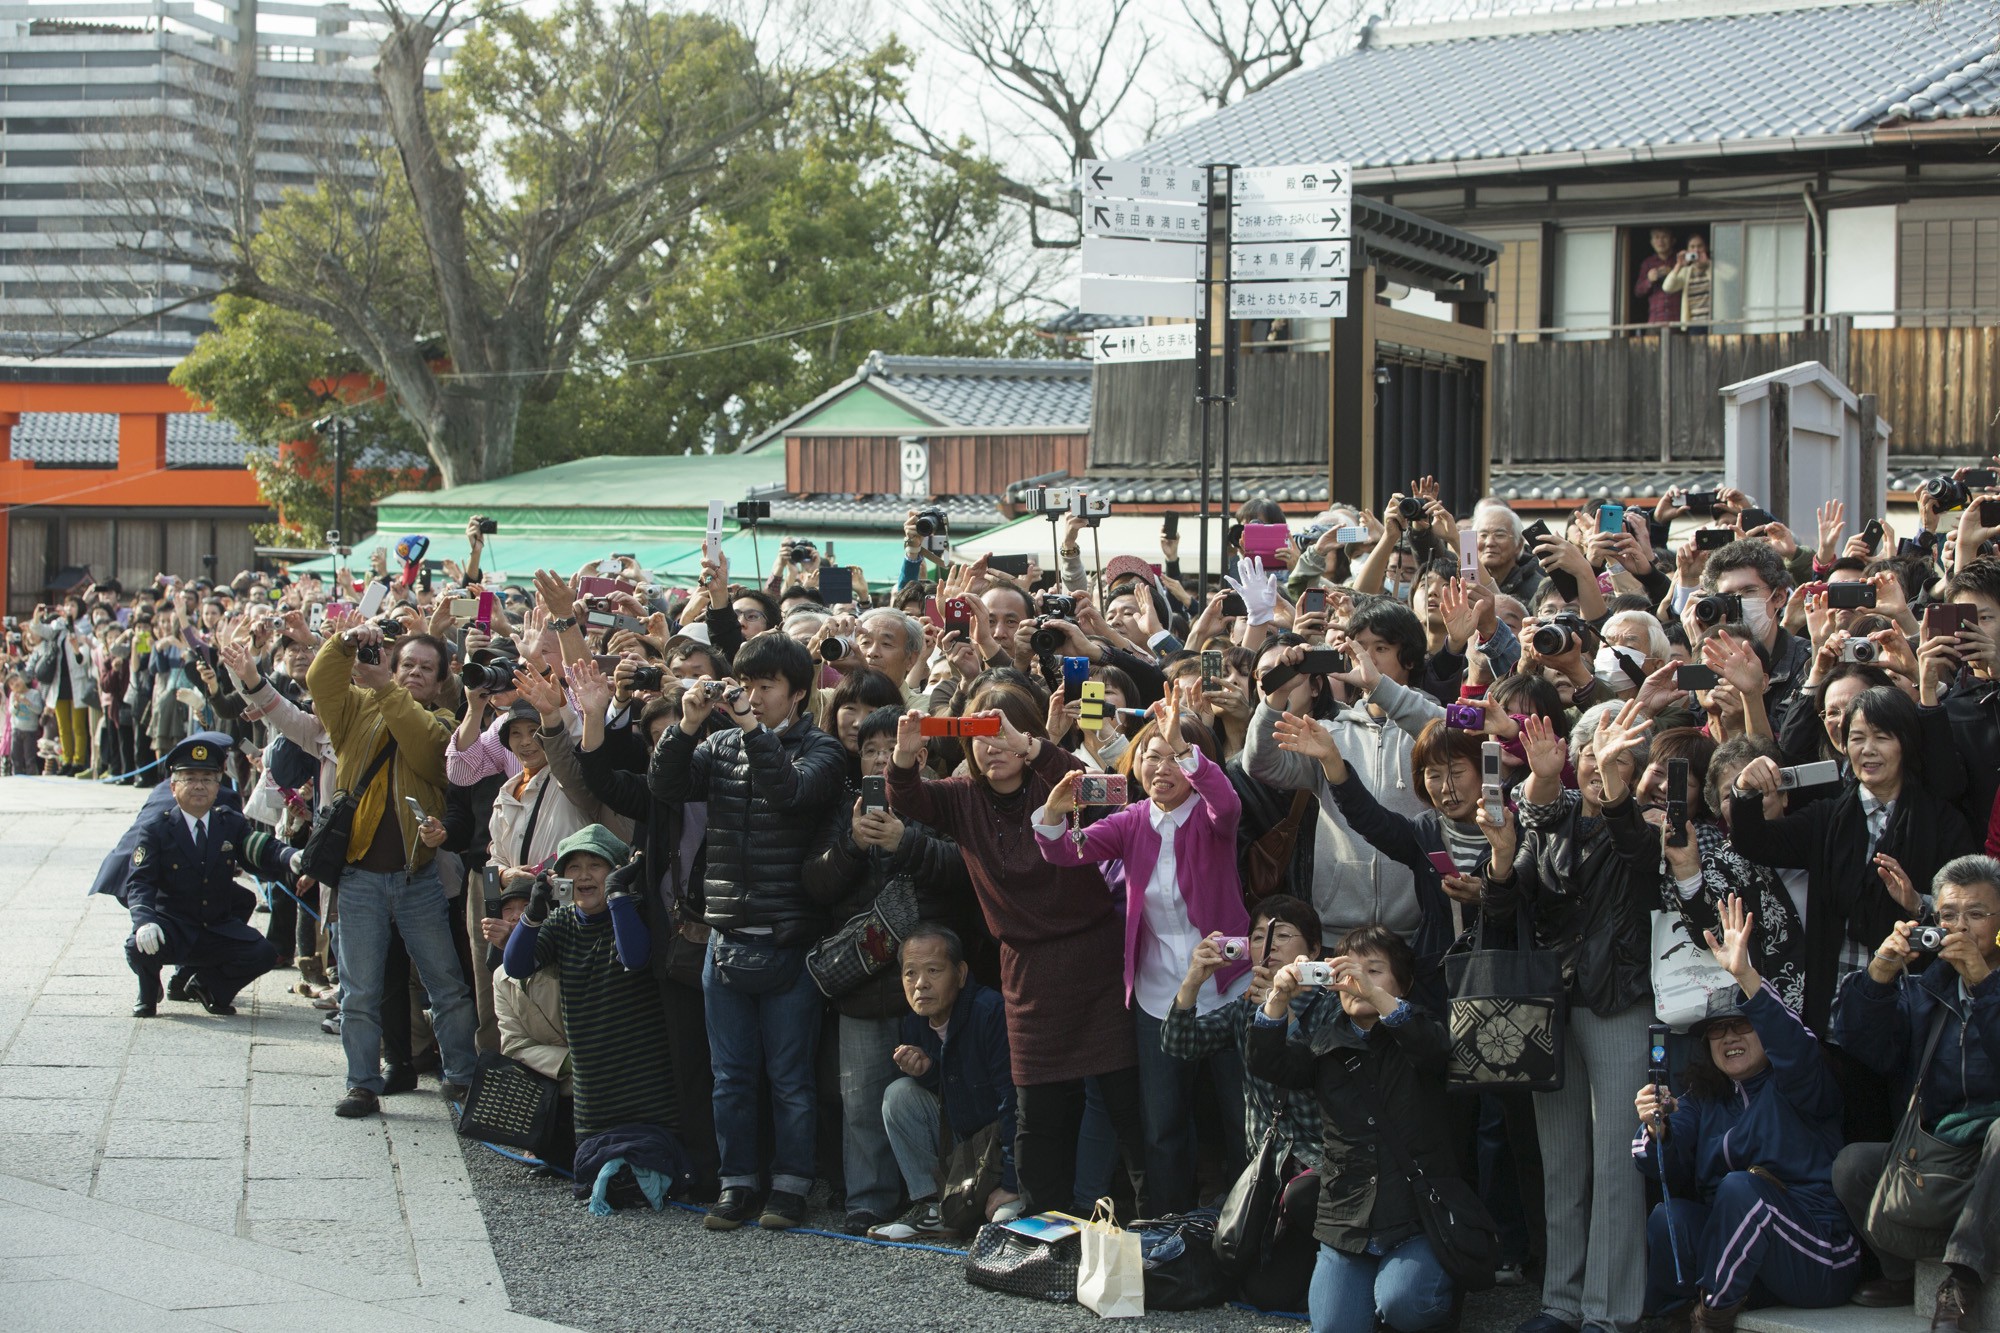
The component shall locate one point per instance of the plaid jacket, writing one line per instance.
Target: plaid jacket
(1187, 1035)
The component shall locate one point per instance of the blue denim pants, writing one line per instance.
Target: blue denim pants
(370, 901)
(1406, 1286)
(762, 1036)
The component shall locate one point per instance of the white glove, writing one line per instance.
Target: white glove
(1258, 590)
(149, 938)
(296, 862)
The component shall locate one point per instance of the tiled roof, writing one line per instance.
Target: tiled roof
(1610, 86)
(1539, 484)
(968, 513)
(986, 391)
(194, 439)
(1181, 487)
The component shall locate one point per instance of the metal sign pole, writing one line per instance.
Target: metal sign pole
(1202, 360)
(1228, 337)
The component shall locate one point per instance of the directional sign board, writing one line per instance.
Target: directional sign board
(1144, 180)
(1141, 259)
(1290, 222)
(1140, 296)
(1142, 220)
(1164, 342)
(1288, 300)
(1286, 260)
(1324, 182)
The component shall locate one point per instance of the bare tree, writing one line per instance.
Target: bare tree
(1074, 75)
(1257, 42)
(466, 251)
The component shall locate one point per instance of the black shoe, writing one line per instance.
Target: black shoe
(177, 986)
(1957, 1307)
(1885, 1293)
(398, 1078)
(1545, 1323)
(452, 1092)
(861, 1220)
(145, 1009)
(197, 991)
(737, 1205)
(357, 1103)
(783, 1211)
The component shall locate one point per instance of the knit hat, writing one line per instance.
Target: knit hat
(593, 838)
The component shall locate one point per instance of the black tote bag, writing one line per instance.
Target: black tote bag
(1509, 1012)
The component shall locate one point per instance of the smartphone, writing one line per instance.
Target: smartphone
(1808, 775)
(1610, 518)
(1677, 802)
(463, 608)
(1350, 536)
(1014, 565)
(711, 542)
(1754, 517)
(1491, 790)
(836, 585)
(1989, 512)
(874, 793)
(1101, 789)
(1979, 478)
(1850, 595)
(1872, 535)
(1211, 668)
(1699, 503)
(1232, 604)
(1695, 676)
(372, 599)
(961, 727)
(1944, 619)
(482, 615)
(1313, 602)
(1090, 706)
(1712, 539)
(957, 615)
(1468, 556)
(1170, 524)
(596, 585)
(1076, 671)
(1442, 863)
(1656, 1054)
(1263, 541)
(1533, 533)
(1325, 662)
(491, 876)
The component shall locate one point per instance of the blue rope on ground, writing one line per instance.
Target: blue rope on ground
(109, 777)
(525, 1160)
(272, 883)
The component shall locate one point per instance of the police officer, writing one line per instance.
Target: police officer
(186, 905)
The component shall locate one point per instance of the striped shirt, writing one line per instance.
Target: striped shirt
(617, 1030)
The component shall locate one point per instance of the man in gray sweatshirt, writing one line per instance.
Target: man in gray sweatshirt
(1353, 884)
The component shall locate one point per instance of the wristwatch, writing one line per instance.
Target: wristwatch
(561, 623)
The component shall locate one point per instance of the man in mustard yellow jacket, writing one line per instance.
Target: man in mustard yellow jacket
(371, 696)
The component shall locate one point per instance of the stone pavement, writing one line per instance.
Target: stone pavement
(187, 1171)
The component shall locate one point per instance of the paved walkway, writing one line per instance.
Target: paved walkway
(187, 1171)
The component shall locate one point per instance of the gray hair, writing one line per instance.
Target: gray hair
(1657, 647)
(913, 633)
(1586, 731)
(1493, 505)
(803, 614)
(1966, 871)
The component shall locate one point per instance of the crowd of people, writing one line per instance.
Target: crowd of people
(1108, 887)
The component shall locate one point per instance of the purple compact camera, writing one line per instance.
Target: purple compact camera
(1465, 717)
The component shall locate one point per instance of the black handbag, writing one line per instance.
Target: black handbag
(1181, 1271)
(970, 1170)
(1244, 1224)
(867, 943)
(1925, 1181)
(1509, 1012)
(509, 1104)
(324, 856)
(1004, 1260)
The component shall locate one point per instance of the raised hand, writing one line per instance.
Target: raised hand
(1897, 881)
(1832, 522)
(1547, 751)
(1732, 951)
(593, 691)
(909, 739)
(1258, 589)
(554, 594)
(545, 696)
(1303, 735)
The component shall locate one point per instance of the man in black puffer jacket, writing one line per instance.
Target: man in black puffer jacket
(769, 784)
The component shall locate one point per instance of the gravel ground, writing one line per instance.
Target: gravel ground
(633, 1271)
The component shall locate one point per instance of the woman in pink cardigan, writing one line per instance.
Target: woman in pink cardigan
(1178, 847)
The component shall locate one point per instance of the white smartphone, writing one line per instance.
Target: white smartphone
(372, 598)
(712, 544)
(1468, 556)
(1491, 791)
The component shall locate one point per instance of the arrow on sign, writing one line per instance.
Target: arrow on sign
(1100, 215)
(1100, 178)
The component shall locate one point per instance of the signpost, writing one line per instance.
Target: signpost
(1286, 253)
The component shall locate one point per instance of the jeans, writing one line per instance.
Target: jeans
(371, 902)
(1407, 1287)
(1166, 1087)
(910, 1118)
(768, 1038)
(866, 1071)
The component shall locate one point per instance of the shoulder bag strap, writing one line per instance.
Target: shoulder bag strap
(374, 767)
(535, 813)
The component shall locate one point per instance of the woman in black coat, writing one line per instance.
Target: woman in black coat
(1378, 1071)
(1863, 851)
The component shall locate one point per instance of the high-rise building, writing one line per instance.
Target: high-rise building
(123, 135)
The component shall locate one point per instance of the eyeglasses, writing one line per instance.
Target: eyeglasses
(1727, 1030)
(1974, 917)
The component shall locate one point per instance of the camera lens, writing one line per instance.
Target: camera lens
(1927, 939)
(1949, 492)
(1411, 509)
(1552, 641)
(648, 678)
(1716, 608)
(1047, 641)
(835, 649)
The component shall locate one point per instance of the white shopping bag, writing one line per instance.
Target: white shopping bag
(1687, 981)
(1112, 1277)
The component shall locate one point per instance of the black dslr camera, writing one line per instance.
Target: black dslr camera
(1565, 631)
(1716, 608)
(489, 671)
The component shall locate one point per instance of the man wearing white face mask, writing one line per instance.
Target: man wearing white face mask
(1752, 573)
(1633, 643)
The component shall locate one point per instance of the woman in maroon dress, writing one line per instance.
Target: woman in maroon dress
(1062, 947)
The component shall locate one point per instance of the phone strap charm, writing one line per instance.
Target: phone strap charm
(1076, 825)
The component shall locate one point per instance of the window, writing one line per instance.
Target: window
(1585, 263)
(1950, 260)
(1760, 275)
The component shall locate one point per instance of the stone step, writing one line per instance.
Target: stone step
(1854, 1318)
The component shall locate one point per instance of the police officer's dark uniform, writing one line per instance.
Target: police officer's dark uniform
(186, 886)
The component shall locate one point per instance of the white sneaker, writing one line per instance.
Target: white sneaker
(330, 1025)
(1509, 1275)
(920, 1223)
(1009, 1212)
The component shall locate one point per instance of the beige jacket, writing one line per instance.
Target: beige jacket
(531, 1027)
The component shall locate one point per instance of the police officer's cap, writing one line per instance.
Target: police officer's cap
(195, 754)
